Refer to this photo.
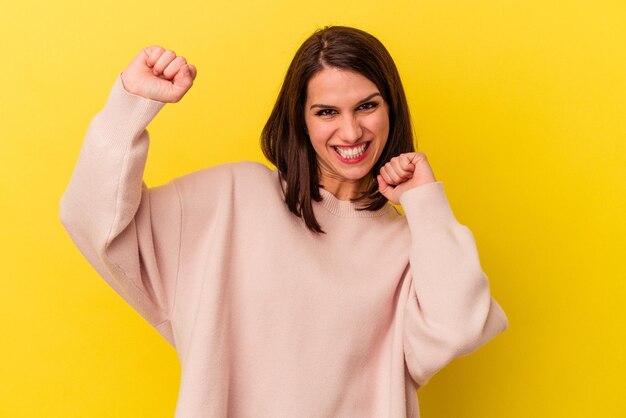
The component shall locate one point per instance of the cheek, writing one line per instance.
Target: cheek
(380, 127)
(319, 133)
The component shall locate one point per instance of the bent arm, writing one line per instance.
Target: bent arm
(129, 233)
(451, 311)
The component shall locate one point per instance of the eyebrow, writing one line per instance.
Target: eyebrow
(335, 107)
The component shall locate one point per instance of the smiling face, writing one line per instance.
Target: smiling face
(348, 124)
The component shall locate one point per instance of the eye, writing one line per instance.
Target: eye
(368, 106)
(326, 112)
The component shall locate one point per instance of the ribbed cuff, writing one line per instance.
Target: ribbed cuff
(125, 115)
(427, 203)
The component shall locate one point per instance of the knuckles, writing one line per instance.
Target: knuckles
(158, 48)
(411, 155)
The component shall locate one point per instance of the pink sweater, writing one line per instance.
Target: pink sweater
(268, 319)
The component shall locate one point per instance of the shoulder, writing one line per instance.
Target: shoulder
(251, 170)
(242, 185)
(243, 179)
(226, 173)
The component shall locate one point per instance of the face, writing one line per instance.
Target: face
(348, 123)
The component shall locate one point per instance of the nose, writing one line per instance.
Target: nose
(350, 130)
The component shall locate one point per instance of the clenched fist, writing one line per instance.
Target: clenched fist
(158, 74)
(402, 173)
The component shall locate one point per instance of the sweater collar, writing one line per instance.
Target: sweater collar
(346, 208)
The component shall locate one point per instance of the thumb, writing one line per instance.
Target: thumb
(183, 80)
(384, 188)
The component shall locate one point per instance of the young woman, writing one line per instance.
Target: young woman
(297, 291)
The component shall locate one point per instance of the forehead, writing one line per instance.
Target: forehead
(335, 86)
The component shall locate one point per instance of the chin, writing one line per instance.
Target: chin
(356, 176)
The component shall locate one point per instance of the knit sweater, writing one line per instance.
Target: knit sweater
(267, 318)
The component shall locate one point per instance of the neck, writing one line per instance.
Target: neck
(344, 189)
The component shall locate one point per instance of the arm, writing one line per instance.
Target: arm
(130, 234)
(450, 311)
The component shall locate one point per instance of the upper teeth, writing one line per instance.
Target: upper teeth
(351, 152)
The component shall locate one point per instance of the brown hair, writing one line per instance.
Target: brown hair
(284, 140)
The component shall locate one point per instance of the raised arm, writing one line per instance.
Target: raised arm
(450, 312)
(129, 233)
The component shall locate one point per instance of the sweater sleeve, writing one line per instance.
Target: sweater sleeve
(450, 312)
(128, 232)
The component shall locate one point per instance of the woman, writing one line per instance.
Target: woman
(294, 292)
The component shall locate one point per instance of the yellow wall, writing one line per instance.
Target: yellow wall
(520, 106)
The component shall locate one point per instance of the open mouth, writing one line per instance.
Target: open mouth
(352, 153)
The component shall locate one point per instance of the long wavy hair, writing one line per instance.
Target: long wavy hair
(284, 140)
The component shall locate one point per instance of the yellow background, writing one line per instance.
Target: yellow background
(519, 105)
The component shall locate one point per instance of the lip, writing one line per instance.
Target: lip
(352, 160)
